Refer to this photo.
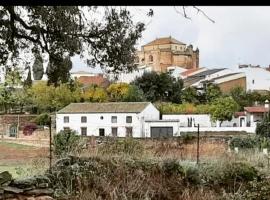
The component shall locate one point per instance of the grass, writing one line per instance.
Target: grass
(15, 145)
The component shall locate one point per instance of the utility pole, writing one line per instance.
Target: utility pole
(50, 130)
(198, 143)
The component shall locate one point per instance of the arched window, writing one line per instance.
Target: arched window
(150, 58)
(137, 60)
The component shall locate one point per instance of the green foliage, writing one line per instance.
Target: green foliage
(212, 92)
(128, 146)
(187, 138)
(95, 94)
(190, 95)
(223, 109)
(48, 98)
(250, 142)
(230, 175)
(118, 91)
(263, 128)
(134, 94)
(59, 30)
(56, 74)
(172, 167)
(185, 108)
(159, 87)
(42, 119)
(67, 142)
(37, 67)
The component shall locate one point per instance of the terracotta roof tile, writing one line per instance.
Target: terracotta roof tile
(165, 40)
(256, 109)
(98, 80)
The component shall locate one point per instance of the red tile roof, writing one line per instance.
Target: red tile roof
(98, 80)
(256, 109)
(237, 114)
(165, 40)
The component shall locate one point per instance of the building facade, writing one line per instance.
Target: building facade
(164, 52)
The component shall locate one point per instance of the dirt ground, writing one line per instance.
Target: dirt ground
(12, 153)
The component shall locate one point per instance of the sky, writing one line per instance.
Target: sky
(240, 34)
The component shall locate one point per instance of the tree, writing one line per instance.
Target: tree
(134, 94)
(263, 128)
(159, 87)
(223, 109)
(212, 92)
(95, 94)
(58, 75)
(28, 80)
(104, 36)
(190, 95)
(37, 67)
(118, 91)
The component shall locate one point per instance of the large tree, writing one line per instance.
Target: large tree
(105, 36)
(160, 87)
(223, 108)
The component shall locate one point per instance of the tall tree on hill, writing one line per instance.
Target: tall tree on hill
(104, 36)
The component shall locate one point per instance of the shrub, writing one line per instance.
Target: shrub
(250, 142)
(172, 167)
(42, 119)
(188, 138)
(127, 146)
(67, 142)
(229, 175)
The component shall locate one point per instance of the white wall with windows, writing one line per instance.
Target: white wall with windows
(107, 124)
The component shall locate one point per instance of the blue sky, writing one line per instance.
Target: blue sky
(240, 34)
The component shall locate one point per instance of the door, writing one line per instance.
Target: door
(157, 132)
(13, 131)
(101, 132)
(114, 131)
(242, 121)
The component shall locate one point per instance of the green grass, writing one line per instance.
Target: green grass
(15, 145)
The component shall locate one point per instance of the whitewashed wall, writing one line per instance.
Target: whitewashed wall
(218, 129)
(203, 119)
(94, 122)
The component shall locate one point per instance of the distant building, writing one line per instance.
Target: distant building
(257, 78)
(164, 52)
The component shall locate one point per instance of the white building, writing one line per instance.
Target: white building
(107, 119)
(257, 78)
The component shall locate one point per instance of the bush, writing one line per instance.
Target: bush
(67, 142)
(229, 175)
(188, 138)
(250, 142)
(42, 119)
(127, 146)
(172, 167)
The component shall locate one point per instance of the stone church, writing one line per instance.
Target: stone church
(165, 52)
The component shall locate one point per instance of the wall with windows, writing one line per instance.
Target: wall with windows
(107, 124)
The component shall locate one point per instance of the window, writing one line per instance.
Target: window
(151, 58)
(66, 119)
(114, 131)
(142, 60)
(128, 119)
(128, 131)
(114, 119)
(253, 81)
(101, 117)
(83, 131)
(101, 132)
(66, 128)
(83, 119)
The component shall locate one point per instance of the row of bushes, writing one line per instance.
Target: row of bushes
(250, 142)
(185, 108)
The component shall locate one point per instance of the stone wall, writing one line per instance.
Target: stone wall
(32, 188)
(8, 120)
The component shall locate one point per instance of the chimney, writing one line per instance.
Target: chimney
(266, 104)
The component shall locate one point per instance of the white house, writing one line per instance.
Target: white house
(257, 78)
(107, 119)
